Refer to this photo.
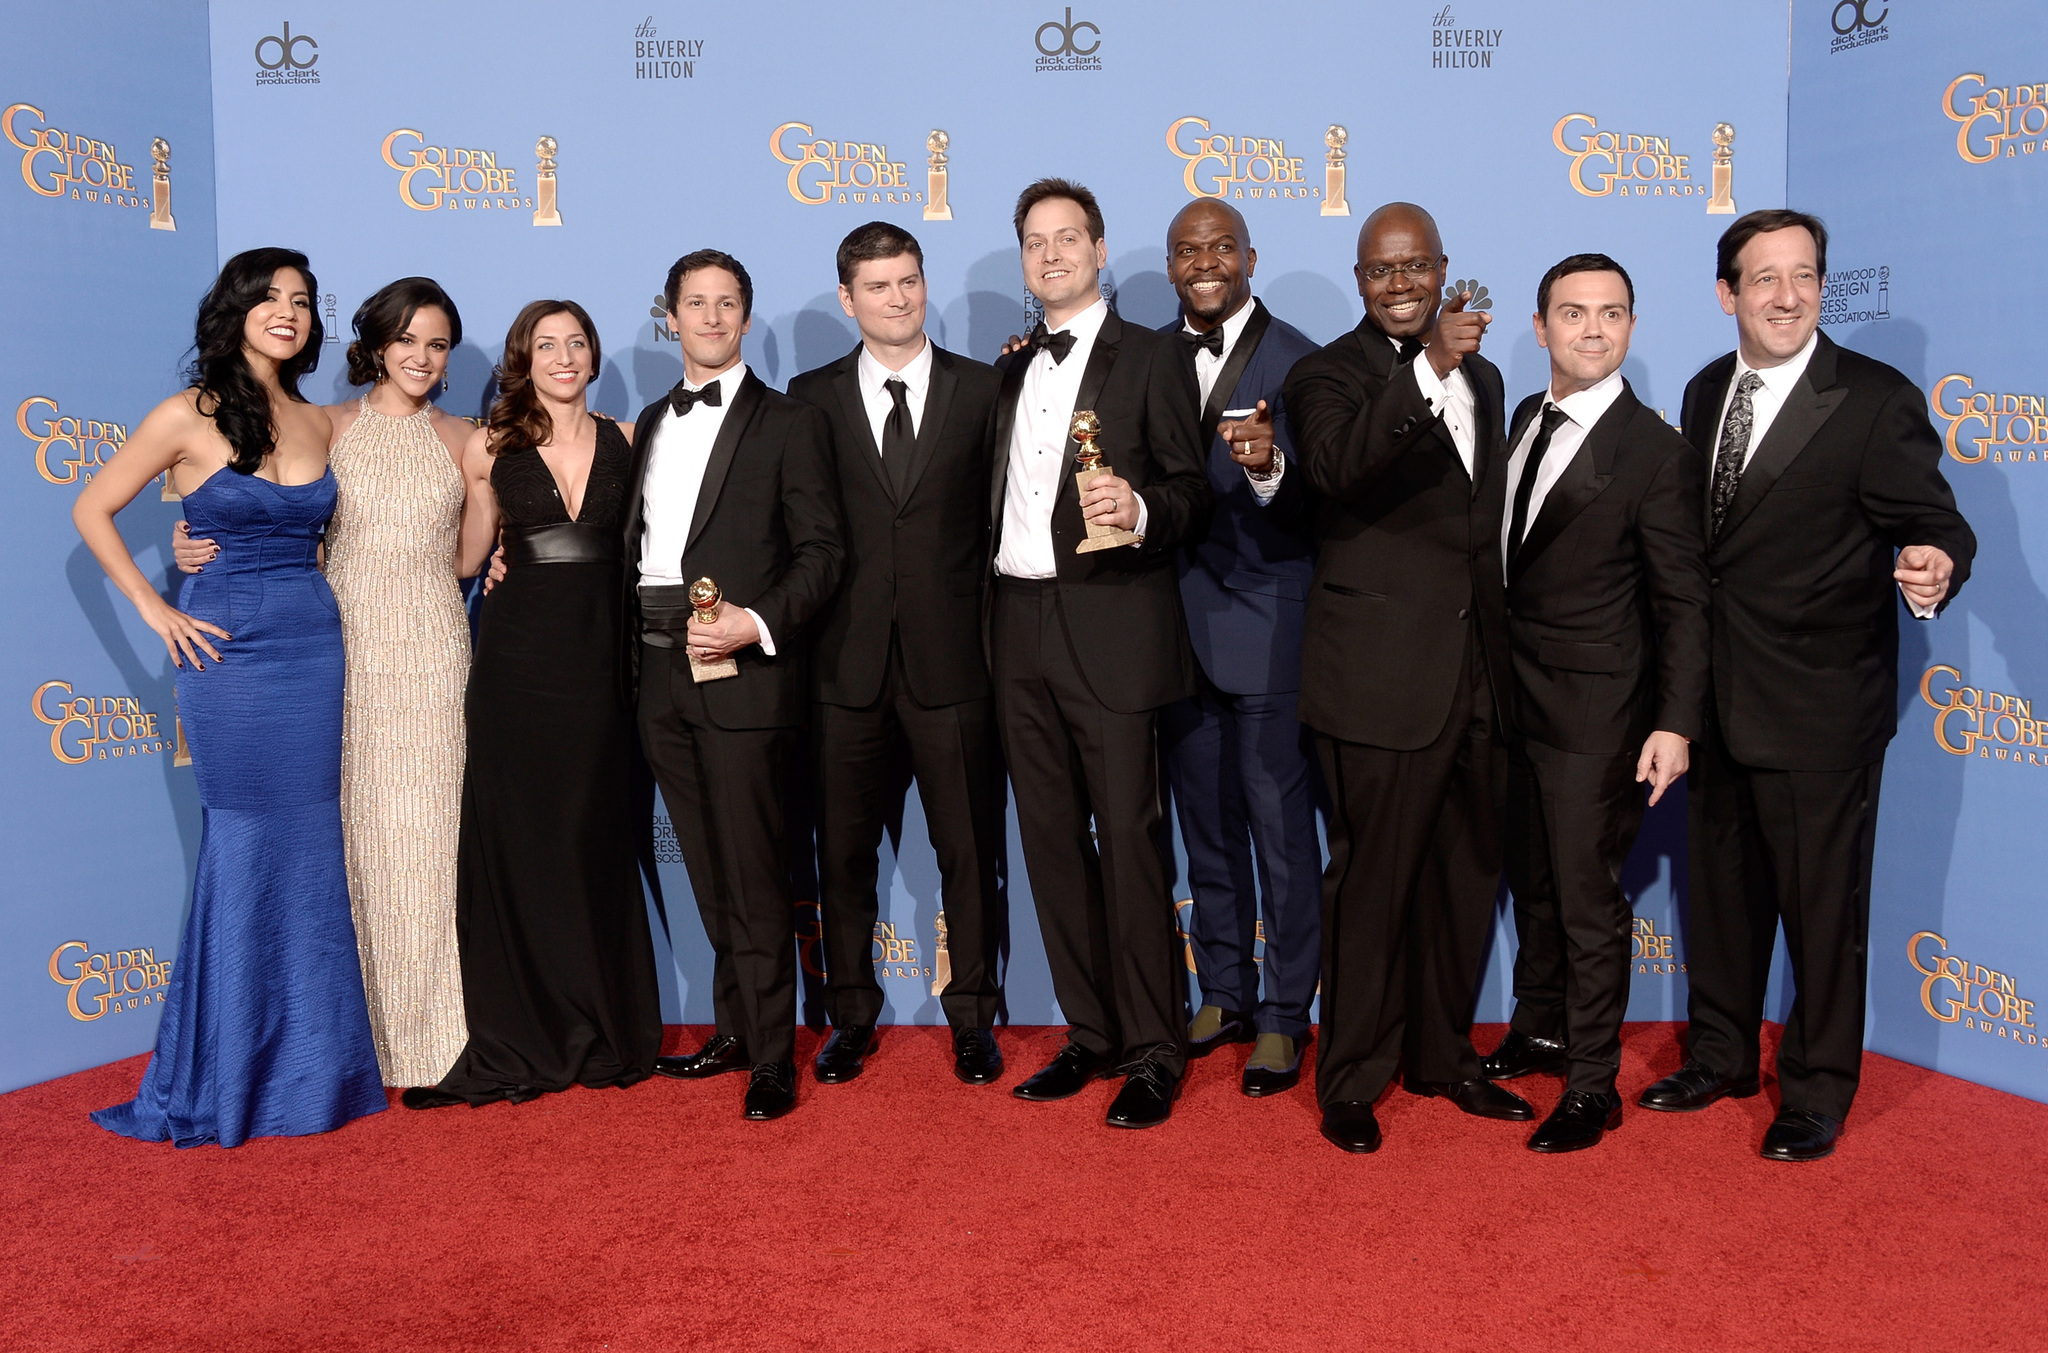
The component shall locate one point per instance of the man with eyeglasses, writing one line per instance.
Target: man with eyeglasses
(1398, 426)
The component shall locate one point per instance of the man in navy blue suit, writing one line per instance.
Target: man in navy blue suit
(1242, 771)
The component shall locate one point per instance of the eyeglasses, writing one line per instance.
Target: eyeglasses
(1415, 269)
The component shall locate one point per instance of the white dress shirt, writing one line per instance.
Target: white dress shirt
(1764, 403)
(916, 376)
(1208, 366)
(1037, 454)
(1452, 397)
(675, 478)
(1581, 409)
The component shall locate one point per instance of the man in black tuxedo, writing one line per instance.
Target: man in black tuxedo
(1607, 636)
(898, 671)
(731, 481)
(1398, 425)
(1825, 498)
(1242, 767)
(1086, 648)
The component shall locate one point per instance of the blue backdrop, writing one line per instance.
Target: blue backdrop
(386, 140)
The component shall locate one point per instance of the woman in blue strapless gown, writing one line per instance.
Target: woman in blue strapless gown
(264, 1030)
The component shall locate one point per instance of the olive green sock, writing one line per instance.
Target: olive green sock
(1208, 1023)
(1274, 1052)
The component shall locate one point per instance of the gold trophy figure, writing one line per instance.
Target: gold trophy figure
(942, 964)
(704, 599)
(937, 206)
(160, 217)
(544, 212)
(1722, 203)
(183, 755)
(1333, 172)
(1085, 428)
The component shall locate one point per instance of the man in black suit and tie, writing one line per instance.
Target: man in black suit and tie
(1086, 648)
(1243, 777)
(898, 671)
(733, 482)
(1607, 636)
(1825, 499)
(1398, 426)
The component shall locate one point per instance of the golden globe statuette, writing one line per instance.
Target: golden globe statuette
(942, 964)
(1333, 172)
(1085, 428)
(1722, 203)
(937, 206)
(704, 598)
(544, 212)
(160, 217)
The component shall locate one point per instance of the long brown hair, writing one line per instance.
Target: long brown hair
(517, 418)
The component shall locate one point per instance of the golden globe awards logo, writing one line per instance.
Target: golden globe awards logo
(451, 178)
(1996, 121)
(823, 170)
(2002, 427)
(1242, 168)
(68, 449)
(1622, 164)
(1957, 991)
(1651, 952)
(896, 955)
(62, 164)
(1992, 725)
(97, 727)
(107, 983)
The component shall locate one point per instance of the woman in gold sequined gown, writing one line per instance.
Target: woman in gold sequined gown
(392, 549)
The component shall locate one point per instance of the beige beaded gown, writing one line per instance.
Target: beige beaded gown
(391, 552)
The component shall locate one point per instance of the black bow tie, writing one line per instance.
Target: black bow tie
(1213, 340)
(1059, 344)
(682, 400)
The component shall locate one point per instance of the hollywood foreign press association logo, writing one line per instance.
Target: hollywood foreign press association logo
(1857, 295)
(1455, 48)
(1855, 26)
(287, 58)
(1067, 44)
(659, 58)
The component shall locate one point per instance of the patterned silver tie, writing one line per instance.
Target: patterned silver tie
(1734, 445)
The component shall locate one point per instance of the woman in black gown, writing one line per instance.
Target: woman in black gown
(557, 962)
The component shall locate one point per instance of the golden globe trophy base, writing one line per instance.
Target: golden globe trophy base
(1334, 203)
(942, 961)
(713, 671)
(1722, 203)
(1101, 537)
(936, 206)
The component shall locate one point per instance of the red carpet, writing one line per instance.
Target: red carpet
(908, 1211)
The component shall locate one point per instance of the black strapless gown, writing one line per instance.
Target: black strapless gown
(558, 977)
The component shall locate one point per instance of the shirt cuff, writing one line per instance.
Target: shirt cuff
(1432, 384)
(1265, 489)
(767, 640)
(1919, 612)
(1144, 514)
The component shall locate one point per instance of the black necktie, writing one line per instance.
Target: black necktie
(897, 437)
(1059, 344)
(1518, 525)
(1213, 341)
(682, 400)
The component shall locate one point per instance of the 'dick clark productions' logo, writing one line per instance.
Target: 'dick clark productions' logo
(109, 982)
(1997, 121)
(2002, 427)
(664, 58)
(1957, 991)
(1067, 44)
(1858, 23)
(1455, 48)
(287, 58)
(1638, 164)
(1990, 725)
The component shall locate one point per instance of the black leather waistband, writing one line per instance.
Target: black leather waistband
(565, 542)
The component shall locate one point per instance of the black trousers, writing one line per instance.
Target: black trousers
(951, 750)
(1771, 846)
(725, 790)
(1572, 818)
(1415, 863)
(1087, 786)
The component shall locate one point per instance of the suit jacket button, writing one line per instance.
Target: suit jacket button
(889, 578)
(1509, 611)
(1463, 612)
(1716, 582)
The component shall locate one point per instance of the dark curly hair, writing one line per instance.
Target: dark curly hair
(228, 390)
(384, 318)
(517, 419)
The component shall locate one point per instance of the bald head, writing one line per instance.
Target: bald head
(1404, 216)
(1400, 269)
(1209, 260)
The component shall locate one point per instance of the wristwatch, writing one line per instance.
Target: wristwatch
(1272, 470)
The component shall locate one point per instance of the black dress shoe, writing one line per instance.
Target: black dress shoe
(1479, 1097)
(771, 1091)
(1519, 1054)
(523, 1094)
(840, 1060)
(1147, 1097)
(429, 1097)
(1065, 1075)
(1234, 1028)
(1579, 1121)
(1800, 1134)
(722, 1054)
(1349, 1124)
(976, 1058)
(1692, 1087)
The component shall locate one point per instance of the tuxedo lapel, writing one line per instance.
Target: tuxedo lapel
(1100, 359)
(938, 399)
(846, 380)
(744, 405)
(1704, 427)
(1810, 404)
(1006, 424)
(1586, 478)
(1233, 368)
